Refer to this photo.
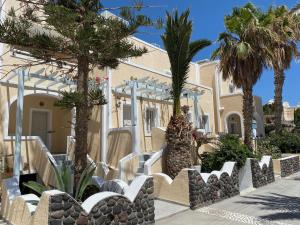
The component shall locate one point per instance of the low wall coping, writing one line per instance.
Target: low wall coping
(90, 202)
(288, 157)
(134, 188)
(265, 160)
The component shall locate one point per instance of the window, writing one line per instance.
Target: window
(204, 123)
(126, 115)
(151, 119)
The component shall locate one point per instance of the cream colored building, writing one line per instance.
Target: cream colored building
(218, 107)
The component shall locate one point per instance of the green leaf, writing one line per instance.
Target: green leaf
(36, 187)
(85, 180)
(58, 177)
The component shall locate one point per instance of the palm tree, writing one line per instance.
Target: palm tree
(243, 55)
(286, 26)
(177, 42)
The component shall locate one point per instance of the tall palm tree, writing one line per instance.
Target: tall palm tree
(286, 25)
(177, 42)
(243, 55)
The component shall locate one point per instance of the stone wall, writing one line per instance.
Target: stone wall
(289, 165)
(205, 189)
(136, 206)
(262, 171)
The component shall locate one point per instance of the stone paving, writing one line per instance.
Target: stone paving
(275, 204)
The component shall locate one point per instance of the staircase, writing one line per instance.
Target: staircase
(142, 159)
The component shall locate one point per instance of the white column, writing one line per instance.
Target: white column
(134, 119)
(196, 112)
(103, 128)
(19, 124)
(109, 98)
(73, 120)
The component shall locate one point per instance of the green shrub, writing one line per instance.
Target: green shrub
(287, 142)
(269, 128)
(230, 148)
(266, 147)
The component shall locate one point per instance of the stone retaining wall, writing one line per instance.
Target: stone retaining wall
(205, 189)
(196, 189)
(289, 165)
(262, 171)
(136, 206)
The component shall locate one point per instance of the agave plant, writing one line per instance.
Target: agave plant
(181, 50)
(64, 180)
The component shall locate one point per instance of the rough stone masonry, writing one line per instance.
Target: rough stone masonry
(64, 210)
(289, 165)
(213, 190)
(262, 176)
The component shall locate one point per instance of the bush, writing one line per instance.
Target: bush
(266, 147)
(230, 148)
(287, 142)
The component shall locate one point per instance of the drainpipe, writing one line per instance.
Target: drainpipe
(19, 124)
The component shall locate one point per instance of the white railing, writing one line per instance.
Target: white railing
(128, 166)
(151, 161)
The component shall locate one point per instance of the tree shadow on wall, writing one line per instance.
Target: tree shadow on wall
(285, 207)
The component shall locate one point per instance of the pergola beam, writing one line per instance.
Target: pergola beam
(11, 76)
(52, 84)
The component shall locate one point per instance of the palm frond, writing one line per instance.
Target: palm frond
(180, 49)
(196, 46)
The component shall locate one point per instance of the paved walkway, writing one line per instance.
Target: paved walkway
(274, 204)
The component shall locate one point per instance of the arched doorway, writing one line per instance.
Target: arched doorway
(234, 126)
(41, 118)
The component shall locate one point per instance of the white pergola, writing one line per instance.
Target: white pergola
(24, 79)
(152, 89)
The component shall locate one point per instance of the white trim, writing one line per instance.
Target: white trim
(153, 46)
(217, 90)
(232, 94)
(201, 63)
(241, 118)
(49, 123)
(148, 44)
(152, 106)
(161, 73)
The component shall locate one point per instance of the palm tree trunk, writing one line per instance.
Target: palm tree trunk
(278, 83)
(248, 115)
(81, 128)
(176, 106)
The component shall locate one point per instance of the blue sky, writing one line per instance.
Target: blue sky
(207, 17)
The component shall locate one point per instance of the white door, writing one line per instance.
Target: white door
(40, 125)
